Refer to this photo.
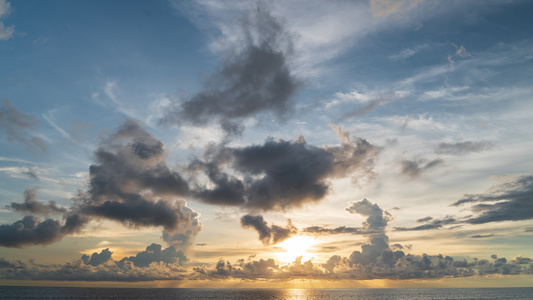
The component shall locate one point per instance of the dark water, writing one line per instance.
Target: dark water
(7, 292)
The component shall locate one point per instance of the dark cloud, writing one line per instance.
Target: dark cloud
(31, 231)
(18, 126)
(377, 218)
(511, 200)
(30, 174)
(149, 265)
(32, 206)
(131, 182)
(431, 223)
(269, 234)
(336, 230)
(4, 264)
(414, 168)
(183, 236)
(279, 175)
(153, 254)
(462, 148)
(480, 236)
(254, 78)
(97, 259)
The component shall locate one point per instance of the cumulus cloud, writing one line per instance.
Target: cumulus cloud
(18, 127)
(279, 175)
(31, 231)
(269, 234)
(254, 78)
(32, 206)
(149, 265)
(376, 260)
(462, 148)
(511, 200)
(132, 183)
(377, 218)
(414, 168)
(97, 259)
(154, 253)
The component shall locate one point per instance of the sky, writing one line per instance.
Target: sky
(273, 144)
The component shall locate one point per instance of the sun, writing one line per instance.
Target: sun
(296, 246)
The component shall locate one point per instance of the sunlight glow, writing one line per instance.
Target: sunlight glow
(295, 247)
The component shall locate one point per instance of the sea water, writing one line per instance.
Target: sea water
(8, 292)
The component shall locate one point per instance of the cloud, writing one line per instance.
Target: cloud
(153, 254)
(31, 231)
(149, 265)
(132, 183)
(511, 200)
(462, 148)
(269, 234)
(279, 175)
(97, 258)
(431, 223)
(480, 236)
(32, 206)
(254, 78)
(336, 230)
(18, 126)
(376, 260)
(5, 32)
(408, 52)
(377, 218)
(4, 264)
(414, 168)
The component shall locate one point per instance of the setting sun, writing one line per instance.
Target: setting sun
(295, 247)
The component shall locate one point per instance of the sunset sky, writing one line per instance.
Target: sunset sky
(206, 143)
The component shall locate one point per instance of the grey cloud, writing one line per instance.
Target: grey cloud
(18, 127)
(480, 236)
(32, 206)
(254, 78)
(431, 223)
(509, 201)
(4, 264)
(415, 168)
(154, 263)
(367, 108)
(376, 260)
(336, 230)
(183, 236)
(269, 234)
(132, 183)
(31, 231)
(153, 254)
(462, 148)
(377, 218)
(97, 259)
(31, 174)
(279, 175)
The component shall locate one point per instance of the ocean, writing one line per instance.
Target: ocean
(12, 292)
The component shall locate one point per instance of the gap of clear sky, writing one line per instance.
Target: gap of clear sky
(266, 144)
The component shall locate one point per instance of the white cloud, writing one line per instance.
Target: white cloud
(408, 52)
(6, 32)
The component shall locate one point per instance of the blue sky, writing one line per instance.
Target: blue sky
(218, 123)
